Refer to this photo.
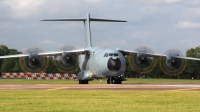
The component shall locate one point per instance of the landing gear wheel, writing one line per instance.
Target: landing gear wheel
(118, 81)
(83, 81)
(110, 81)
(114, 81)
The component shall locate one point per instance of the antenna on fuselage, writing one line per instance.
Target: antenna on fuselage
(87, 25)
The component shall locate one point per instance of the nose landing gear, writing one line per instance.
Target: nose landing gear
(114, 80)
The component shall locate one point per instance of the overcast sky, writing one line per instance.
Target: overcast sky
(159, 24)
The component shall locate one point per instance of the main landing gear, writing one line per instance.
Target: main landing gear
(114, 80)
(83, 81)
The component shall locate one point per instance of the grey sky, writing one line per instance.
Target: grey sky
(159, 24)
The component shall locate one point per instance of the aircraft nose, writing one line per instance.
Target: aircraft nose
(114, 64)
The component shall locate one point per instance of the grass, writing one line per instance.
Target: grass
(160, 81)
(129, 81)
(98, 101)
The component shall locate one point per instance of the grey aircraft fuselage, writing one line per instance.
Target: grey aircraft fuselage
(102, 62)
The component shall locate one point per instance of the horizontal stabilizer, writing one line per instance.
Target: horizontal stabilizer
(63, 20)
(86, 22)
(91, 19)
(106, 20)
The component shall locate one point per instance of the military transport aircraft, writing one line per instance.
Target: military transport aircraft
(97, 63)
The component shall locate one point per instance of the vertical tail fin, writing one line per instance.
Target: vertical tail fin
(87, 31)
(86, 25)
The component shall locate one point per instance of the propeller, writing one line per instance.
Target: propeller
(170, 64)
(142, 62)
(67, 62)
(33, 63)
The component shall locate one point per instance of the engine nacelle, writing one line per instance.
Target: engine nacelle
(171, 64)
(66, 62)
(85, 75)
(34, 60)
(67, 58)
(142, 59)
(142, 62)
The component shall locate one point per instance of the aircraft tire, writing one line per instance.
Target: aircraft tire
(118, 81)
(114, 81)
(83, 81)
(110, 82)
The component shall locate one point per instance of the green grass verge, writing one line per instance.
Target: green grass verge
(98, 101)
(129, 81)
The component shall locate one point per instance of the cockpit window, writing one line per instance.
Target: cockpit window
(115, 54)
(111, 54)
(106, 55)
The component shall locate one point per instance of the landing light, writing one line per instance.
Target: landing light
(91, 74)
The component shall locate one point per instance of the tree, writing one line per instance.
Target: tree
(156, 73)
(3, 51)
(192, 68)
(51, 66)
(7, 65)
(11, 64)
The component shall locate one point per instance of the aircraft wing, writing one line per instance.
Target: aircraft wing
(189, 58)
(80, 51)
(13, 56)
(128, 52)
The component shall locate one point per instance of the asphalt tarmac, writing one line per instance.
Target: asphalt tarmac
(159, 87)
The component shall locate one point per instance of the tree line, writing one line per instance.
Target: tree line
(192, 70)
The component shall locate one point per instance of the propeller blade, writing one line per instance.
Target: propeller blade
(142, 62)
(67, 62)
(171, 65)
(33, 63)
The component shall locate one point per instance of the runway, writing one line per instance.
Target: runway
(159, 87)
